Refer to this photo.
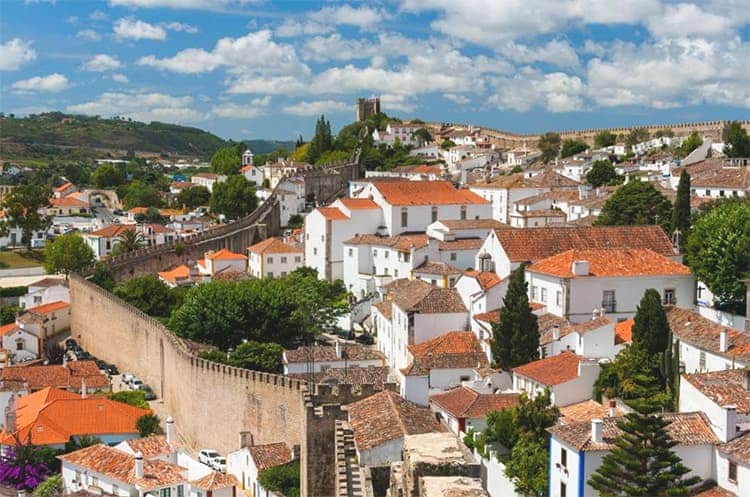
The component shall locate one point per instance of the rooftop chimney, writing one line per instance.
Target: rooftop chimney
(170, 431)
(83, 388)
(612, 408)
(596, 430)
(580, 268)
(594, 313)
(338, 349)
(139, 465)
(556, 332)
(724, 340)
(730, 420)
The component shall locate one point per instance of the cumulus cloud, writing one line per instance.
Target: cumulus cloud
(362, 17)
(558, 53)
(151, 107)
(52, 83)
(688, 19)
(102, 63)
(136, 29)
(119, 78)
(15, 53)
(317, 107)
(459, 99)
(89, 34)
(530, 88)
(179, 26)
(181, 4)
(98, 15)
(231, 110)
(291, 28)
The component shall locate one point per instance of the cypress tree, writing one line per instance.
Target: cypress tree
(515, 339)
(681, 209)
(642, 462)
(651, 332)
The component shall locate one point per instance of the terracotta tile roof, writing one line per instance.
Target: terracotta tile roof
(270, 455)
(533, 244)
(206, 175)
(138, 210)
(150, 447)
(48, 282)
(461, 244)
(486, 279)
(566, 328)
(215, 481)
(425, 193)
(174, 275)
(610, 262)
(552, 370)
(247, 168)
(274, 245)
(431, 267)
(489, 316)
(421, 297)
(332, 213)
(399, 242)
(689, 428)
(540, 213)
(471, 224)
(359, 203)
(463, 402)
(386, 416)
(724, 387)
(553, 195)
(352, 375)
(624, 331)
(5, 329)
(385, 308)
(722, 177)
(425, 169)
(226, 255)
(353, 352)
(64, 186)
(120, 466)
(50, 307)
(113, 230)
(69, 201)
(585, 411)
(455, 349)
(738, 449)
(493, 316)
(57, 376)
(546, 179)
(715, 492)
(51, 417)
(692, 328)
(157, 228)
(181, 184)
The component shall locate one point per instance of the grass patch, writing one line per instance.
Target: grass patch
(16, 260)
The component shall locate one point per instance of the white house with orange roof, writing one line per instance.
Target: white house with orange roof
(24, 340)
(576, 283)
(103, 241)
(221, 260)
(65, 189)
(209, 180)
(481, 291)
(274, 257)
(178, 276)
(69, 205)
(253, 174)
(247, 463)
(569, 377)
(45, 291)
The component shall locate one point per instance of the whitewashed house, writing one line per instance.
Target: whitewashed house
(569, 377)
(215, 262)
(45, 291)
(463, 409)
(317, 358)
(209, 180)
(247, 463)
(274, 257)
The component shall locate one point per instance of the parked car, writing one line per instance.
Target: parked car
(150, 395)
(101, 364)
(365, 339)
(112, 370)
(127, 377)
(135, 384)
(207, 456)
(346, 334)
(71, 344)
(220, 464)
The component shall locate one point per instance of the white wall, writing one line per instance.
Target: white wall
(415, 389)
(382, 454)
(41, 296)
(690, 355)
(741, 486)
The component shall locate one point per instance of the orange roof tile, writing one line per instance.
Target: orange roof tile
(425, 193)
(486, 279)
(586, 411)
(452, 342)
(215, 481)
(138, 210)
(151, 446)
(7, 328)
(274, 245)
(68, 201)
(225, 254)
(173, 275)
(270, 455)
(359, 203)
(462, 402)
(690, 327)
(552, 370)
(113, 230)
(610, 262)
(68, 376)
(64, 186)
(624, 331)
(332, 213)
(51, 307)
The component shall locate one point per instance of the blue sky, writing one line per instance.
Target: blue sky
(263, 69)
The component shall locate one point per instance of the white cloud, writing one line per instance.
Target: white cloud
(396, 102)
(459, 99)
(15, 53)
(71, 20)
(688, 19)
(150, 107)
(181, 4)
(362, 17)
(138, 30)
(257, 107)
(179, 26)
(53, 83)
(558, 53)
(556, 92)
(102, 63)
(119, 78)
(89, 34)
(317, 107)
(290, 29)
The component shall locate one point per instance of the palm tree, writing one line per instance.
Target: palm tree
(128, 241)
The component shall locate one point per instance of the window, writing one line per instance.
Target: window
(94, 481)
(165, 492)
(464, 378)
(351, 252)
(395, 273)
(558, 297)
(608, 300)
(19, 345)
(708, 193)
(463, 212)
(283, 274)
(563, 490)
(404, 217)
(544, 295)
(732, 473)
(283, 260)
(385, 254)
(434, 214)
(702, 360)
(115, 490)
(534, 291)
(563, 457)
(180, 491)
(269, 260)
(375, 252)
(669, 296)
(407, 256)
(453, 256)
(721, 193)
(315, 250)
(37, 299)
(297, 258)
(270, 274)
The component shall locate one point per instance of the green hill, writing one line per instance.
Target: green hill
(85, 132)
(268, 146)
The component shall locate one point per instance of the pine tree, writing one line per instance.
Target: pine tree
(651, 332)
(642, 462)
(322, 142)
(516, 338)
(681, 209)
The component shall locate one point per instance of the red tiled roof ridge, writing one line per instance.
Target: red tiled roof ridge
(610, 262)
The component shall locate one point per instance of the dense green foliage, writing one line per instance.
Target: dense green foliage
(288, 311)
(572, 147)
(604, 139)
(227, 160)
(193, 197)
(268, 146)
(51, 487)
(8, 313)
(56, 128)
(128, 241)
(13, 291)
(602, 173)
(691, 143)
(103, 276)
(136, 398)
(140, 194)
(650, 327)
(67, 253)
(284, 479)
(321, 142)
(549, 145)
(251, 355)
(234, 198)
(681, 210)
(737, 142)
(637, 135)
(147, 425)
(22, 207)
(642, 462)
(515, 339)
(81, 442)
(635, 203)
(107, 176)
(149, 294)
(717, 251)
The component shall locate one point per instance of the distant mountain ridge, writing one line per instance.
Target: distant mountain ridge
(268, 146)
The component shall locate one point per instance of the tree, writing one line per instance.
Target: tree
(78, 443)
(107, 176)
(103, 276)
(284, 479)
(51, 487)
(637, 135)
(664, 132)
(24, 466)
(604, 139)
(22, 206)
(67, 253)
(152, 215)
(681, 209)
(642, 462)
(8, 313)
(737, 142)
(194, 196)
(572, 147)
(139, 194)
(422, 135)
(147, 293)
(528, 466)
(234, 198)
(691, 143)
(717, 249)
(251, 355)
(296, 221)
(147, 425)
(651, 330)
(602, 173)
(447, 144)
(549, 145)
(515, 339)
(333, 156)
(635, 203)
(128, 241)
(227, 160)
(322, 142)
(135, 398)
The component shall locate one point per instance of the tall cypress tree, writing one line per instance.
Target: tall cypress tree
(642, 462)
(681, 209)
(651, 332)
(515, 340)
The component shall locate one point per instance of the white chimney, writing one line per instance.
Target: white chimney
(338, 349)
(556, 332)
(612, 408)
(724, 340)
(580, 268)
(138, 465)
(83, 388)
(170, 431)
(730, 418)
(594, 313)
(596, 430)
